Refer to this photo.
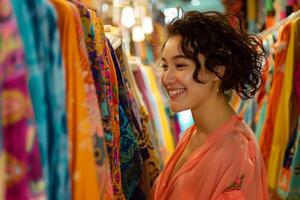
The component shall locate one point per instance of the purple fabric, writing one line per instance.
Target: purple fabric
(142, 87)
(297, 84)
(23, 163)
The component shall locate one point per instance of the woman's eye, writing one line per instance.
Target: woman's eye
(180, 65)
(164, 67)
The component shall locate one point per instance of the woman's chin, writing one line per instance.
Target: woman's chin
(177, 108)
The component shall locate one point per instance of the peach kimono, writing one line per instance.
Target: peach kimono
(229, 166)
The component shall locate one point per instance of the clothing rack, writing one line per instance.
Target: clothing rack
(270, 30)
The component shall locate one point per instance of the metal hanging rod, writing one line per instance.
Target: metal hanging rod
(270, 30)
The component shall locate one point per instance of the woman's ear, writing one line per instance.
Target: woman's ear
(220, 71)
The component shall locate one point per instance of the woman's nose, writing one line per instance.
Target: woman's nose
(168, 77)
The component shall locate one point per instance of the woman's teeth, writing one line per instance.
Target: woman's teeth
(176, 92)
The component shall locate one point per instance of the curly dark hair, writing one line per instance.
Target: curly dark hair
(211, 34)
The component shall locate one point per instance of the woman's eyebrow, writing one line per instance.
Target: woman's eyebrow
(175, 57)
(179, 56)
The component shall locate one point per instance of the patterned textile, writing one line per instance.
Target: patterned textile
(2, 159)
(24, 178)
(279, 64)
(161, 125)
(131, 160)
(37, 24)
(35, 83)
(47, 44)
(289, 184)
(107, 97)
(140, 119)
(263, 94)
(286, 117)
(113, 94)
(82, 164)
(100, 153)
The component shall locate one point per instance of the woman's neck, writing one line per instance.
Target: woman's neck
(210, 116)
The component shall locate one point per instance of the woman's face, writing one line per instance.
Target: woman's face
(177, 78)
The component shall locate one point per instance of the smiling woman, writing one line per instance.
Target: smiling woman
(204, 59)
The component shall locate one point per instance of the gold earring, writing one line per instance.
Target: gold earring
(217, 90)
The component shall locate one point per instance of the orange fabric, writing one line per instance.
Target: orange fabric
(286, 118)
(102, 160)
(228, 166)
(83, 171)
(270, 21)
(280, 50)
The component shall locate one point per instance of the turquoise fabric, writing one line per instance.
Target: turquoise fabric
(289, 178)
(37, 22)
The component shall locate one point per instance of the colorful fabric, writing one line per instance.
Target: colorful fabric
(100, 153)
(280, 53)
(82, 164)
(151, 107)
(212, 172)
(113, 93)
(140, 119)
(297, 69)
(131, 160)
(289, 184)
(37, 25)
(2, 158)
(162, 124)
(24, 178)
(35, 81)
(95, 38)
(264, 91)
(48, 49)
(285, 118)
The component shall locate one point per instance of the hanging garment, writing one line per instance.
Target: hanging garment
(153, 114)
(111, 93)
(131, 160)
(2, 158)
(47, 44)
(264, 91)
(156, 100)
(82, 164)
(228, 166)
(102, 160)
(285, 117)
(37, 25)
(2, 166)
(24, 178)
(94, 38)
(35, 81)
(140, 119)
(280, 53)
(142, 88)
(288, 183)
(297, 69)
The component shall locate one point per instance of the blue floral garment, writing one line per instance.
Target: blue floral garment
(131, 160)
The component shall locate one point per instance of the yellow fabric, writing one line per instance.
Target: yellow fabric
(251, 10)
(167, 136)
(83, 174)
(2, 175)
(92, 4)
(283, 117)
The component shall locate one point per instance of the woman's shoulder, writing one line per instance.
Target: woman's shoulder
(240, 143)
